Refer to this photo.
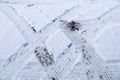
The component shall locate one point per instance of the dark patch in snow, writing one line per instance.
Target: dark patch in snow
(25, 45)
(86, 56)
(90, 74)
(101, 77)
(69, 45)
(33, 29)
(30, 5)
(54, 20)
(53, 78)
(43, 55)
(72, 25)
(83, 32)
(99, 18)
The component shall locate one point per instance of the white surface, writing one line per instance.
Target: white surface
(10, 38)
(108, 43)
(58, 43)
(38, 13)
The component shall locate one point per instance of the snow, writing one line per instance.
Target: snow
(9, 36)
(83, 54)
(43, 14)
(57, 43)
(107, 43)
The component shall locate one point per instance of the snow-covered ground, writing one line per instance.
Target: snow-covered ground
(37, 44)
(10, 37)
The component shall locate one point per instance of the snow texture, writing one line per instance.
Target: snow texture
(59, 40)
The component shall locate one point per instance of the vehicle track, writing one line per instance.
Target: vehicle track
(51, 24)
